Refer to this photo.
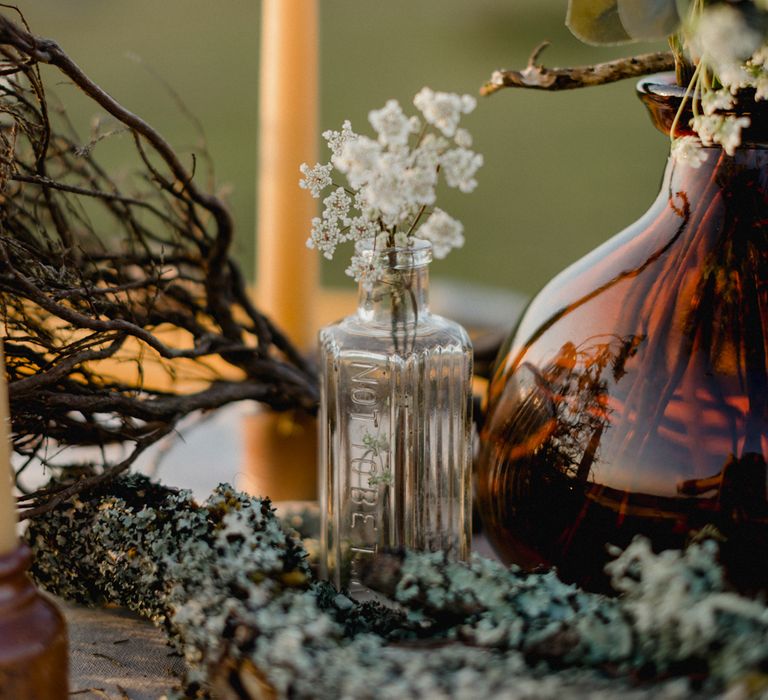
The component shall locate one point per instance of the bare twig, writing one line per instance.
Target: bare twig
(537, 77)
(47, 499)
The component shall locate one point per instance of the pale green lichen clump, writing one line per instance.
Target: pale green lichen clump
(237, 598)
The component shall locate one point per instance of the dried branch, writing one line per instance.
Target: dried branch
(103, 282)
(45, 500)
(537, 77)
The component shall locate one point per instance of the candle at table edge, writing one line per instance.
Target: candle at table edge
(287, 272)
(8, 518)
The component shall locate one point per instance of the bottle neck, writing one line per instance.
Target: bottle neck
(670, 107)
(736, 183)
(15, 587)
(399, 296)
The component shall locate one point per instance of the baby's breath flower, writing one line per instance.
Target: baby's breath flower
(463, 138)
(402, 240)
(384, 240)
(443, 231)
(706, 126)
(760, 57)
(361, 228)
(716, 100)
(325, 235)
(432, 146)
(460, 166)
(758, 65)
(729, 135)
(357, 159)
(384, 190)
(420, 183)
(734, 76)
(390, 182)
(443, 109)
(336, 205)
(365, 269)
(688, 149)
(315, 179)
(360, 203)
(337, 139)
(724, 40)
(761, 87)
(380, 241)
(723, 130)
(392, 126)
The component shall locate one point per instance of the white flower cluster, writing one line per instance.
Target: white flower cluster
(761, 82)
(721, 129)
(444, 231)
(391, 180)
(687, 149)
(442, 109)
(724, 41)
(731, 51)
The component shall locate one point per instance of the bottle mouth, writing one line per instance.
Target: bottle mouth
(662, 96)
(661, 85)
(417, 254)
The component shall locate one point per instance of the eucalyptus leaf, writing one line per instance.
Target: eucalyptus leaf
(649, 20)
(596, 22)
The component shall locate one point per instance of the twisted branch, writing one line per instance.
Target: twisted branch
(101, 280)
(537, 77)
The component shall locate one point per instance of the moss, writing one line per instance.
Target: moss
(236, 596)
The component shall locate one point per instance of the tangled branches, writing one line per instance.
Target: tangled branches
(121, 307)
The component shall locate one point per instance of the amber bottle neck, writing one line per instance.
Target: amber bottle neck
(663, 98)
(15, 586)
(707, 172)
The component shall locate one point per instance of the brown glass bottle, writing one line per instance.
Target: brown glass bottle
(33, 638)
(633, 396)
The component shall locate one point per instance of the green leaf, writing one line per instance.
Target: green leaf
(649, 20)
(596, 22)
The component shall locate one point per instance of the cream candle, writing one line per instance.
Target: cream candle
(287, 272)
(8, 519)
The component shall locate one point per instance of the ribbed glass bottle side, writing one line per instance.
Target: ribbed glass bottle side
(395, 447)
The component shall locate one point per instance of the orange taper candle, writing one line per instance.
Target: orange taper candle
(287, 272)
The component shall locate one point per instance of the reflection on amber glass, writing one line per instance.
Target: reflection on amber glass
(633, 396)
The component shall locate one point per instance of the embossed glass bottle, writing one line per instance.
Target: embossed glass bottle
(395, 425)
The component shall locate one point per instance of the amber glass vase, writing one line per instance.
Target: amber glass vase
(631, 399)
(33, 636)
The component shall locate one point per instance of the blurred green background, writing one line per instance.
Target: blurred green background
(563, 171)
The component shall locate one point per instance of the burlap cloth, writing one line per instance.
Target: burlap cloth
(116, 655)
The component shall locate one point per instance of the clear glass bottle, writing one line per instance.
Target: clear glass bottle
(395, 425)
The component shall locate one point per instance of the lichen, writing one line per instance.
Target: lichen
(237, 598)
